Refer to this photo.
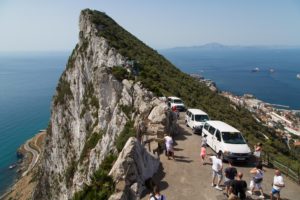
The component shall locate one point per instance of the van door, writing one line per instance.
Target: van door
(217, 140)
(210, 135)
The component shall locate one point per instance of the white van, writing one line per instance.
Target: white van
(195, 118)
(224, 138)
(177, 103)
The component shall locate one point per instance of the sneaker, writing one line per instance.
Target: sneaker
(218, 188)
(262, 196)
(249, 192)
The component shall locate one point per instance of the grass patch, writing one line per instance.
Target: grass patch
(63, 92)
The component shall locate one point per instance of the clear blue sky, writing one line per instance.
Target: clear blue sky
(34, 25)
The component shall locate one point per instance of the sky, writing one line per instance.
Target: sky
(52, 25)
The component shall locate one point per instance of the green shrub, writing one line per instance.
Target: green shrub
(91, 142)
(102, 185)
(127, 132)
(120, 73)
(63, 92)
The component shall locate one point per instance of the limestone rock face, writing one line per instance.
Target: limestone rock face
(88, 115)
(133, 167)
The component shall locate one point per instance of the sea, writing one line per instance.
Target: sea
(231, 69)
(27, 84)
(28, 81)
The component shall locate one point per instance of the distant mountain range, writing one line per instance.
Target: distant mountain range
(218, 46)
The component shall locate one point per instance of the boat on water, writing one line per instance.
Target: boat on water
(256, 69)
(12, 166)
(298, 76)
(271, 70)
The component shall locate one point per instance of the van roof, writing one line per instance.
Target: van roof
(197, 111)
(222, 126)
(174, 98)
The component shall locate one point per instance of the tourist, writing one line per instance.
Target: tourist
(203, 154)
(204, 141)
(230, 173)
(217, 167)
(257, 179)
(278, 184)
(257, 152)
(169, 147)
(238, 188)
(156, 194)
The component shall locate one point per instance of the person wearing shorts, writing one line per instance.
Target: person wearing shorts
(169, 147)
(278, 184)
(217, 167)
(230, 173)
(257, 179)
(203, 154)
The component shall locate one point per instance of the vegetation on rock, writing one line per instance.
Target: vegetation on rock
(127, 132)
(102, 185)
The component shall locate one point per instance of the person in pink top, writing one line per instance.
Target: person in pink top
(203, 154)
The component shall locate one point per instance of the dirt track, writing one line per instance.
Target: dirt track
(187, 178)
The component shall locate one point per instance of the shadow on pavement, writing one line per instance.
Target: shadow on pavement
(182, 159)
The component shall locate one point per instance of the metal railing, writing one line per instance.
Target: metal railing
(286, 169)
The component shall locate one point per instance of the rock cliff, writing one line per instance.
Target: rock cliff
(90, 109)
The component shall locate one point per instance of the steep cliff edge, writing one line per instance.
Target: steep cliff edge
(89, 111)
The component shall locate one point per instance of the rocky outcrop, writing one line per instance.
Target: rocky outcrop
(133, 167)
(89, 111)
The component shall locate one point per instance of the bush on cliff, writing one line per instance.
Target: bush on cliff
(102, 185)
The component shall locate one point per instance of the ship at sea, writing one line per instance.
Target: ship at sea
(271, 70)
(298, 76)
(256, 69)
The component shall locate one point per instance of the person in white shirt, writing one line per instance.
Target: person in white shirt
(278, 184)
(169, 147)
(217, 168)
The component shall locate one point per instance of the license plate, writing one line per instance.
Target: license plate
(241, 158)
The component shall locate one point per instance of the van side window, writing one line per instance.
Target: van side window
(218, 135)
(211, 130)
(206, 126)
(193, 117)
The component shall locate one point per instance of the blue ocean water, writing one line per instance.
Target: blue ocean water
(27, 84)
(231, 69)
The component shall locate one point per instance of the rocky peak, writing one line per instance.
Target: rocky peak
(90, 109)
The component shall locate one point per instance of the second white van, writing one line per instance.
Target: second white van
(195, 118)
(222, 137)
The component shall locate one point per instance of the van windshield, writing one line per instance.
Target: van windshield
(201, 118)
(177, 101)
(233, 138)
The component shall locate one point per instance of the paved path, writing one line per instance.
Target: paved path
(35, 153)
(187, 178)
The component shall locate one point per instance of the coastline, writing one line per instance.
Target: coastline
(22, 187)
(286, 121)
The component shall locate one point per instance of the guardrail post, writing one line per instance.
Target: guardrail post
(298, 175)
